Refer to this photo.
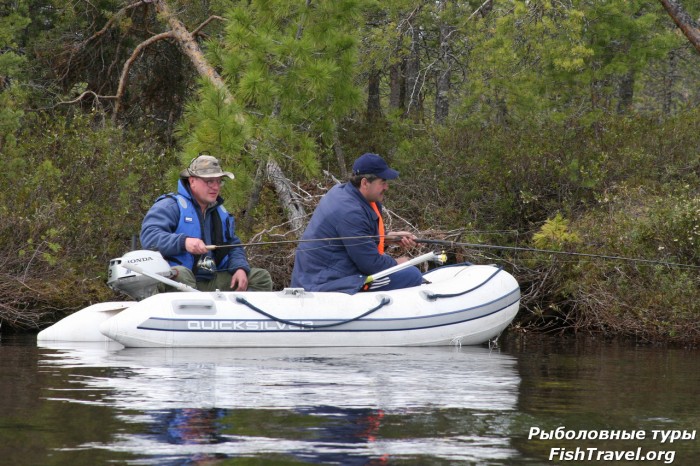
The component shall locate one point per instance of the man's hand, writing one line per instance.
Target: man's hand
(239, 280)
(402, 238)
(195, 246)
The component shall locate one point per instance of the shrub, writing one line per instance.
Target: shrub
(77, 193)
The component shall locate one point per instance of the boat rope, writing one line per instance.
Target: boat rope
(453, 244)
(245, 302)
(433, 296)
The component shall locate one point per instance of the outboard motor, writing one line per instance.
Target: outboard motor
(134, 284)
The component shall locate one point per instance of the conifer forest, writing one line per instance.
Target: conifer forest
(557, 138)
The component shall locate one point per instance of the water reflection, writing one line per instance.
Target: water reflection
(340, 405)
(106, 405)
(190, 426)
(585, 385)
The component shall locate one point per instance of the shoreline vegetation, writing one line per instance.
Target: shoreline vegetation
(85, 211)
(517, 125)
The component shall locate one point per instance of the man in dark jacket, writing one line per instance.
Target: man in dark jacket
(180, 226)
(351, 212)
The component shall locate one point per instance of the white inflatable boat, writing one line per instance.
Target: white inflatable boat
(458, 305)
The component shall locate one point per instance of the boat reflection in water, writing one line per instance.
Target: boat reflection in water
(318, 405)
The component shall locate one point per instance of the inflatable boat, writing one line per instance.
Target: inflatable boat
(462, 304)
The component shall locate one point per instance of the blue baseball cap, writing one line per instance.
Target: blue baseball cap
(372, 164)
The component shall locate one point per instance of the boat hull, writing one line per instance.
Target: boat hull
(465, 305)
(84, 325)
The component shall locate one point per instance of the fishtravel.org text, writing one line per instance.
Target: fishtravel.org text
(561, 454)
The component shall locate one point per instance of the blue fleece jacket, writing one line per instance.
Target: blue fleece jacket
(163, 230)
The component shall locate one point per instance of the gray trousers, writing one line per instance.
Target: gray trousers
(258, 280)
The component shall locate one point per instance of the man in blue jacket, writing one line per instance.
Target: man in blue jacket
(180, 226)
(351, 212)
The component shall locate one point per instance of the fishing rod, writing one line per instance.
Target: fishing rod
(211, 247)
(447, 243)
(554, 251)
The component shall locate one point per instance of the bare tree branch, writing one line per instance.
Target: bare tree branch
(84, 94)
(108, 25)
(197, 31)
(127, 65)
(486, 6)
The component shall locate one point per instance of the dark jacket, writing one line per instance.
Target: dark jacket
(342, 213)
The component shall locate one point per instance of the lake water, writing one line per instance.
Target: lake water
(529, 401)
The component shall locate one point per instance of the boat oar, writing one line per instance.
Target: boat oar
(160, 278)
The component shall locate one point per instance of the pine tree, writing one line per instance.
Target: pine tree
(290, 67)
(14, 17)
(555, 60)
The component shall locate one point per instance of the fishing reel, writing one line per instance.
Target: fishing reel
(207, 264)
(441, 258)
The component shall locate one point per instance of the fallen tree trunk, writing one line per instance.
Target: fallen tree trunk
(683, 21)
(289, 199)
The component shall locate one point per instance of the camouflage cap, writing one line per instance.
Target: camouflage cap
(205, 166)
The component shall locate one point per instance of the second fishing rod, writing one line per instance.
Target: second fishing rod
(453, 244)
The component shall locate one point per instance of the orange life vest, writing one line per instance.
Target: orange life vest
(380, 246)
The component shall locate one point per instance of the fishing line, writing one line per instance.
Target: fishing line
(553, 251)
(447, 243)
